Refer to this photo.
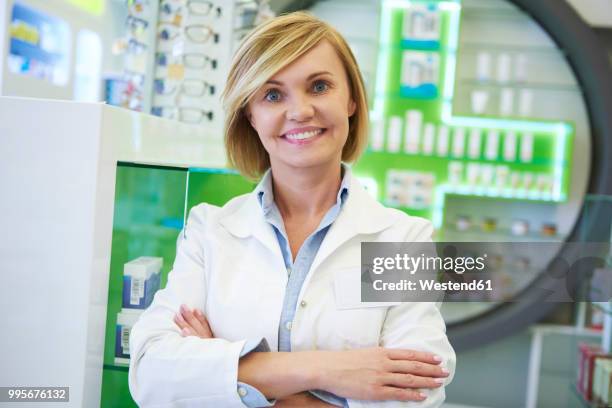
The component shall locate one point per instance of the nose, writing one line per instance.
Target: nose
(300, 109)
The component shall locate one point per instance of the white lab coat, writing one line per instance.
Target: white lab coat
(229, 265)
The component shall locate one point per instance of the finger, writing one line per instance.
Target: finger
(203, 321)
(412, 355)
(417, 368)
(194, 323)
(180, 322)
(411, 381)
(186, 331)
(401, 394)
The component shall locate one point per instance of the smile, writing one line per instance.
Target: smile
(303, 137)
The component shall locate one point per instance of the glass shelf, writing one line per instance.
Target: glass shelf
(521, 85)
(469, 46)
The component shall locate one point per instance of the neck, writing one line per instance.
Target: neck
(306, 192)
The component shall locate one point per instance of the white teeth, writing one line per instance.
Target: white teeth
(304, 135)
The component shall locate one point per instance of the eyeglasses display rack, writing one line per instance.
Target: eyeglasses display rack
(137, 46)
(177, 53)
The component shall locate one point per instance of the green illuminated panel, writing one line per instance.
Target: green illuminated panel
(150, 207)
(419, 151)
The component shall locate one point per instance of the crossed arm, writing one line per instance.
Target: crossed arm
(366, 374)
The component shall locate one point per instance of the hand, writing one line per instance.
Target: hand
(301, 400)
(192, 323)
(380, 374)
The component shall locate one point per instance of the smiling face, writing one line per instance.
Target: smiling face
(301, 113)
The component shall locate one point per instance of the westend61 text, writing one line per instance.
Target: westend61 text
(433, 285)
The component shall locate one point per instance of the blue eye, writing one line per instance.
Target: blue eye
(320, 86)
(272, 95)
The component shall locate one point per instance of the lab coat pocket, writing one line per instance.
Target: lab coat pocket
(358, 324)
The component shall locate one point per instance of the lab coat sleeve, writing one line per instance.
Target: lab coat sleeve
(417, 326)
(251, 396)
(166, 369)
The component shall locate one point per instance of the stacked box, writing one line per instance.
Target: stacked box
(601, 381)
(591, 356)
(141, 279)
(585, 350)
(125, 321)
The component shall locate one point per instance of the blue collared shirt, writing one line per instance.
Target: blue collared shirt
(297, 269)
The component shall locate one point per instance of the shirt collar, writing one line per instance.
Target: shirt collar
(265, 195)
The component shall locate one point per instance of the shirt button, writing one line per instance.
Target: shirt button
(288, 325)
(288, 271)
(303, 303)
(242, 391)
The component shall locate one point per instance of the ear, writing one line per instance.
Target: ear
(352, 107)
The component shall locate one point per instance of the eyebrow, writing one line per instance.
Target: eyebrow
(315, 74)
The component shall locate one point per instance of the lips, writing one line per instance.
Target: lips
(303, 135)
(302, 129)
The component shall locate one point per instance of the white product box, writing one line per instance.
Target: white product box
(421, 23)
(455, 173)
(515, 179)
(506, 102)
(394, 133)
(543, 183)
(503, 67)
(528, 180)
(412, 138)
(479, 99)
(525, 107)
(459, 142)
(510, 146)
(520, 68)
(419, 68)
(483, 66)
(501, 176)
(473, 173)
(526, 154)
(442, 142)
(141, 279)
(126, 319)
(492, 145)
(377, 143)
(474, 144)
(486, 174)
(429, 134)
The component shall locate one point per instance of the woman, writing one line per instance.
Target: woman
(263, 301)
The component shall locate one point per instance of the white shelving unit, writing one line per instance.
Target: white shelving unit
(57, 173)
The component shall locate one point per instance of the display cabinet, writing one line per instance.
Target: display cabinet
(89, 188)
(150, 208)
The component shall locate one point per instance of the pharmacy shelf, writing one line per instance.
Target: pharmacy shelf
(450, 234)
(521, 85)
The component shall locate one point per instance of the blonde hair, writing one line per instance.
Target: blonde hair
(266, 50)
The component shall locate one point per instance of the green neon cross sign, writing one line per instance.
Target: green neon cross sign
(420, 151)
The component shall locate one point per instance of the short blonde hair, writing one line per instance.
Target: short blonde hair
(266, 50)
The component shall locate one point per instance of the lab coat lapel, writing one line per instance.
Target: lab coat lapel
(248, 221)
(361, 214)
